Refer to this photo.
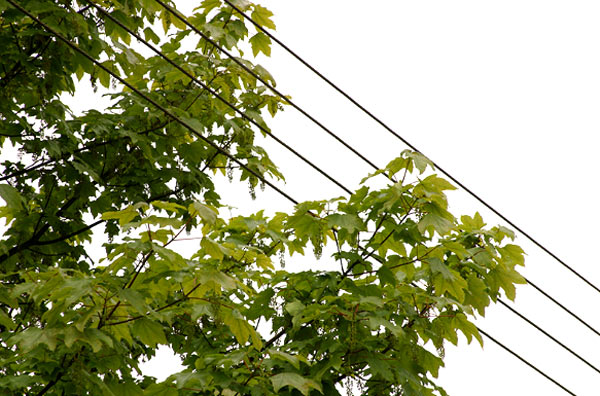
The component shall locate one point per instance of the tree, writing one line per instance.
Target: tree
(410, 276)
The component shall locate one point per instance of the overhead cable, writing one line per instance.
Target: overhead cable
(514, 311)
(520, 358)
(407, 143)
(562, 307)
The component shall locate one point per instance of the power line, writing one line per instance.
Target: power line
(514, 311)
(406, 142)
(520, 358)
(562, 306)
(199, 135)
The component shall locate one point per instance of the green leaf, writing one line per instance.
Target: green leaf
(207, 213)
(212, 248)
(239, 327)
(11, 196)
(436, 184)
(294, 308)
(124, 216)
(121, 332)
(125, 389)
(72, 335)
(136, 300)
(434, 222)
(151, 36)
(32, 337)
(438, 267)
(474, 223)
(149, 332)
(421, 162)
(506, 279)
(19, 382)
(162, 389)
(293, 380)
(446, 280)
(371, 300)
(262, 16)
(349, 222)
(380, 368)
(265, 75)
(217, 279)
(264, 262)
(260, 43)
(193, 122)
(293, 360)
(210, 4)
(6, 321)
(168, 206)
(386, 276)
(477, 294)
(512, 254)
(461, 322)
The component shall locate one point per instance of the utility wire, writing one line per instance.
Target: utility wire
(406, 142)
(549, 297)
(548, 335)
(199, 135)
(183, 19)
(219, 97)
(520, 358)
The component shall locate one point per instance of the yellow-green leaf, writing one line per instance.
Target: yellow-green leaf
(260, 43)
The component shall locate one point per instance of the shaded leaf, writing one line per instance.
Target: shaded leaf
(293, 380)
(149, 332)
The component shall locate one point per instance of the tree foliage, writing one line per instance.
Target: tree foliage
(411, 275)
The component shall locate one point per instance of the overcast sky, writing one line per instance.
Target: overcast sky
(505, 96)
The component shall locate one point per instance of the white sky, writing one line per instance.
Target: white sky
(505, 96)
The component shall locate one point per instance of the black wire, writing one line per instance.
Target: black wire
(406, 142)
(214, 93)
(176, 13)
(563, 307)
(549, 336)
(520, 358)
